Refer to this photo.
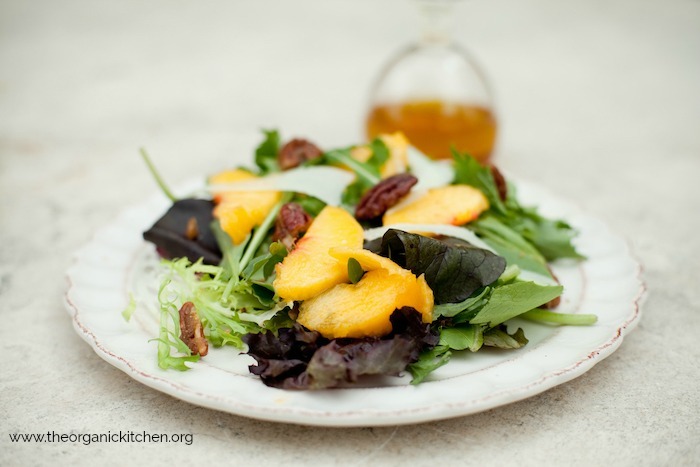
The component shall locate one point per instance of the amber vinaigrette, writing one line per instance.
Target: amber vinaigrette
(436, 127)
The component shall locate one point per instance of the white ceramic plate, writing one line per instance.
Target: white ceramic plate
(118, 262)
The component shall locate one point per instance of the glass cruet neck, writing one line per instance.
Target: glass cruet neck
(436, 16)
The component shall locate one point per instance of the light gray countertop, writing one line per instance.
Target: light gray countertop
(599, 101)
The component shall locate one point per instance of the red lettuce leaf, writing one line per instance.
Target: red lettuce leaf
(169, 233)
(301, 359)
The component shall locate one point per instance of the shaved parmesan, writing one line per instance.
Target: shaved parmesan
(324, 183)
(439, 229)
(430, 174)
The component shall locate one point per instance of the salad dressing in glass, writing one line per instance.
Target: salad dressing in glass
(434, 127)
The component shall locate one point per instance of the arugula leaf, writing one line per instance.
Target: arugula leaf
(510, 245)
(551, 237)
(511, 300)
(452, 272)
(380, 154)
(266, 153)
(469, 171)
(312, 206)
(353, 193)
(367, 173)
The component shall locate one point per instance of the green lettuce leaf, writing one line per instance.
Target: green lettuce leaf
(499, 337)
(468, 336)
(511, 300)
(429, 361)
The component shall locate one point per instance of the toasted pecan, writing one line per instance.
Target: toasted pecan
(500, 182)
(191, 331)
(296, 152)
(292, 221)
(384, 195)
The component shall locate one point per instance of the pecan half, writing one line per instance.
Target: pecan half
(192, 229)
(296, 152)
(500, 181)
(191, 331)
(384, 195)
(292, 221)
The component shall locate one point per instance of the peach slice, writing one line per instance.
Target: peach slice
(422, 294)
(368, 260)
(308, 269)
(241, 211)
(364, 309)
(452, 204)
(398, 154)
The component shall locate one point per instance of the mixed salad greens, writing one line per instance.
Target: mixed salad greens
(282, 261)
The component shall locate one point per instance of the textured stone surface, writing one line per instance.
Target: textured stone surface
(599, 101)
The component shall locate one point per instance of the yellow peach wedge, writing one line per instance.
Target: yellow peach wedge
(452, 204)
(308, 269)
(364, 309)
(239, 212)
(368, 260)
(398, 154)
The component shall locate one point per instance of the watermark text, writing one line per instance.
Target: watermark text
(109, 437)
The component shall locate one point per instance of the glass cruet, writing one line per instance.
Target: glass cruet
(434, 92)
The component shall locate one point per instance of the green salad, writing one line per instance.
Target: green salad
(330, 266)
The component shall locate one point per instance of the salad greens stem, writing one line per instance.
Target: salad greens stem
(261, 231)
(570, 319)
(156, 175)
(359, 168)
